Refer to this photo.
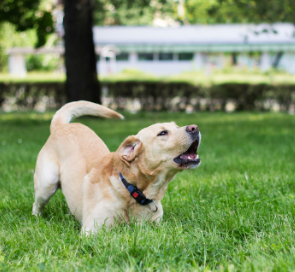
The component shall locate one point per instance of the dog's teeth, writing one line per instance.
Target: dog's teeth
(197, 156)
(189, 157)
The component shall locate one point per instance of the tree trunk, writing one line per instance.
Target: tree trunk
(80, 57)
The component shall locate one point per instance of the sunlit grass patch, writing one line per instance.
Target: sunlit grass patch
(236, 212)
(192, 77)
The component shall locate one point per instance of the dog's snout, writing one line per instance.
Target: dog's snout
(192, 129)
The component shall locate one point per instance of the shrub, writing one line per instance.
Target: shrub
(156, 95)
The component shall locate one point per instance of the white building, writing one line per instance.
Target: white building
(173, 50)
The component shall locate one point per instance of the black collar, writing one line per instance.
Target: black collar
(137, 194)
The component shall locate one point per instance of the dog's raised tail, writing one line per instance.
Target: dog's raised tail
(79, 108)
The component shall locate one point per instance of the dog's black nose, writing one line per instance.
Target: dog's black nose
(192, 129)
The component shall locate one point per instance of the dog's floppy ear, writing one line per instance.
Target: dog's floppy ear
(130, 149)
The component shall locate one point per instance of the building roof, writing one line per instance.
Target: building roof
(218, 38)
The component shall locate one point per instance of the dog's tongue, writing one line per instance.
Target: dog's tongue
(188, 156)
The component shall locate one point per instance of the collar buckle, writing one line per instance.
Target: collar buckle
(155, 206)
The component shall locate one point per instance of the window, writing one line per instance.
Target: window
(166, 56)
(98, 58)
(122, 57)
(234, 59)
(185, 56)
(145, 56)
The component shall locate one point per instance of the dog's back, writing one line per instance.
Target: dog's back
(69, 153)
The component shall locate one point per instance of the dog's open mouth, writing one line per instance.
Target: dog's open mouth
(189, 157)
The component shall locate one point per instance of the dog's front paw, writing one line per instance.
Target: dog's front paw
(36, 211)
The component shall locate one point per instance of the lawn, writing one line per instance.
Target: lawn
(197, 78)
(236, 212)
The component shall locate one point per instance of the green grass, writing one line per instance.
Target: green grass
(195, 78)
(236, 212)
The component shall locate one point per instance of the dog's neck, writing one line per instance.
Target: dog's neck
(157, 189)
(153, 183)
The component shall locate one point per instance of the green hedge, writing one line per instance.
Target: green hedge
(155, 95)
(161, 95)
(26, 95)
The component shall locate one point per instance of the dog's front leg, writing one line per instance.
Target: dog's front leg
(103, 214)
(157, 217)
(143, 213)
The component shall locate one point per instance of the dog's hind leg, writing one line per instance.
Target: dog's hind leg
(46, 182)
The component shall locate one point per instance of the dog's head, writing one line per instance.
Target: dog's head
(162, 146)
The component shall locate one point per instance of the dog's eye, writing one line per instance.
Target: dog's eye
(164, 132)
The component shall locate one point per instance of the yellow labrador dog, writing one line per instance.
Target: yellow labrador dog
(100, 186)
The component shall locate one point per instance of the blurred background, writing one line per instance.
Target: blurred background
(175, 55)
